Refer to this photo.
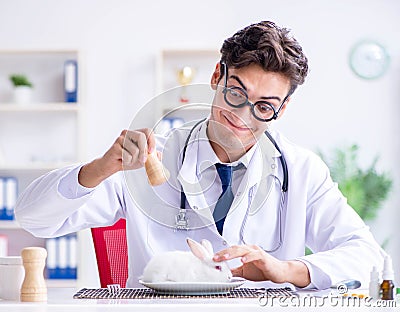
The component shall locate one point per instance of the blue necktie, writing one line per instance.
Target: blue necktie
(225, 200)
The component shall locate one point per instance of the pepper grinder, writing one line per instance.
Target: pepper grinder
(156, 173)
(33, 287)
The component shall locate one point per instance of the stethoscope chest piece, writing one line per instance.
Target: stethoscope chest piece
(181, 220)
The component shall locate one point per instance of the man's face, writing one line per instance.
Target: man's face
(233, 131)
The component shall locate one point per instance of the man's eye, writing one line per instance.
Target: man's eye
(233, 93)
(264, 108)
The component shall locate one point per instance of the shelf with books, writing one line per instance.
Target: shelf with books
(43, 134)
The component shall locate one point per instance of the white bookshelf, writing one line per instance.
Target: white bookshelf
(170, 61)
(40, 136)
(9, 224)
(38, 108)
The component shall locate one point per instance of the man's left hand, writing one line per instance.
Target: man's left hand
(257, 265)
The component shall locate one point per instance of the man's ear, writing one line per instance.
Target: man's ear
(216, 76)
(284, 107)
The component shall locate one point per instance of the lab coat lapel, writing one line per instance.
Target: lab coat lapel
(188, 178)
(267, 160)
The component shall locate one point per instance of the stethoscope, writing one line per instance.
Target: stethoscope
(181, 221)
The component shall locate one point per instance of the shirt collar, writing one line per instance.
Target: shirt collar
(206, 156)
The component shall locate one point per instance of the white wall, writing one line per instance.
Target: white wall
(120, 40)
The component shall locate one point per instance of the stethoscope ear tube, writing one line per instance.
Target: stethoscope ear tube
(285, 184)
(183, 196)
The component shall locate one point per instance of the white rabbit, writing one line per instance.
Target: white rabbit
(186, 266)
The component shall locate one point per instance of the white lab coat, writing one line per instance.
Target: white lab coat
(315, 213)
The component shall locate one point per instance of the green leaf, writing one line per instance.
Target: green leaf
(20, 80)
(365, 190)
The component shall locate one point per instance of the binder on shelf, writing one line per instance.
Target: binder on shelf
(2, 198)
(51, 260)
(11, 196)
(61, 260)
(62, 256)
(8, 197)
(71, 81)
(72, 263)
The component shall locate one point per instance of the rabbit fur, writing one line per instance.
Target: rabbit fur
(187, 266)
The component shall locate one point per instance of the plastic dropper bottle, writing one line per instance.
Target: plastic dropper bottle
(374, 285)
(387, 285)
(398, 296)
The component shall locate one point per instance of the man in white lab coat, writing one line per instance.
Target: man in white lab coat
(267, 227)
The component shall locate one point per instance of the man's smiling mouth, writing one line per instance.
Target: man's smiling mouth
(240, 127)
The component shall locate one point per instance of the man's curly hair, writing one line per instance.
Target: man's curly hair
(271, 47)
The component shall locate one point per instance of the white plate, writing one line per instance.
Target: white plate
(194, 288)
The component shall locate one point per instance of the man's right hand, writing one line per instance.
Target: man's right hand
(128, 152)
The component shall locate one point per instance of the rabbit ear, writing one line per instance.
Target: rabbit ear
(198, 250)
(207, 245)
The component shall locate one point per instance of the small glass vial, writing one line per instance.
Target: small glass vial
(387, 285)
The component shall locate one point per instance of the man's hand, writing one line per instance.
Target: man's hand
(129, 151)
(257, 265)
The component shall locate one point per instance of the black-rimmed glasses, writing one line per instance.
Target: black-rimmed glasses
(237, 97)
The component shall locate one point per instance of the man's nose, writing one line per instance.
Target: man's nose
(243, 114)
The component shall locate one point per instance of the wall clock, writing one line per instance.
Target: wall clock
(369, 60)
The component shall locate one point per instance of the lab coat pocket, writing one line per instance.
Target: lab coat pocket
(264, 224)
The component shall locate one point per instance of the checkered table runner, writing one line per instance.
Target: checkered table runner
(145, 293)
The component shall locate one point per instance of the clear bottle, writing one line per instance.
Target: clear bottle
(374, 285)
(398, 296)
(387, 285)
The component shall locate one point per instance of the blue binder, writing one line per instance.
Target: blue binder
(61, 257)
(2, 198)
(8, 197)
(71, 81)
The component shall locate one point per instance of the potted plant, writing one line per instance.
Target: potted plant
(22, 88)
(365, 189)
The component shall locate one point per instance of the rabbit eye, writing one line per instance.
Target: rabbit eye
(218, 267)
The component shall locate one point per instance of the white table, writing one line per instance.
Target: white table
(61, 299)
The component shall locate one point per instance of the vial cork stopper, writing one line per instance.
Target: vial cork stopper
(33, 288)
(156, 173)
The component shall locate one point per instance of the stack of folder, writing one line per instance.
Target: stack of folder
(8, 197)
(61, 260)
